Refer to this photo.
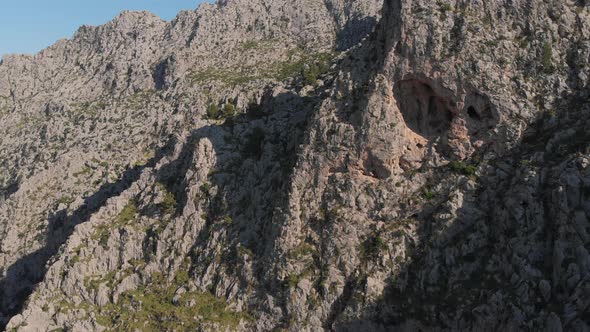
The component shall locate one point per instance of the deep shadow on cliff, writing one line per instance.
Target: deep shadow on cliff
(409, 304)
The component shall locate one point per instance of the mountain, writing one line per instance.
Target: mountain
(303, 166)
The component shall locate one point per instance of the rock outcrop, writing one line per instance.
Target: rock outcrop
(263, 165)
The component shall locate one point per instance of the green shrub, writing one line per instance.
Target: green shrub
(311, 73)
(227, 220)
(212, 111)
(245, 251)
(523, 42)
(428, 194)
(229, 110)
(203, 196)
(370, 249)
(168, 205)
(74, 260)
(462, 168)
(524, 162)
(293, 280)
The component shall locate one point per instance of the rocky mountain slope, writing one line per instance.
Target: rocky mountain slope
(258, 165)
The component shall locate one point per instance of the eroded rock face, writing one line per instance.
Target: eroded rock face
(84, 119)
(425, 181)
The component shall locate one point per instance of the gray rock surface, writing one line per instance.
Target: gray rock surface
(432, 176)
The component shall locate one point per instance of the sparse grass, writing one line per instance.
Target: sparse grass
(182, 277)
(301, 250)
(125, 217)
(127, 214)
(88, 108)
(3, 105)
(93, 283)
(299, 64)
(151, 307)
(102, 235)
(140, 98)
(547, 58)
(85, 171)
(311, 73)
(309, 67)
(249, 45)
(66, 200)
(145, 159)
(229, 77)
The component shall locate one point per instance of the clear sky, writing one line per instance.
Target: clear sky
(28, 26)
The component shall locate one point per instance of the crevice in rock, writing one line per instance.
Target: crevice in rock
(9, 190)
(340, 304)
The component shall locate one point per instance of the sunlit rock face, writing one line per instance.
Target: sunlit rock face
(301, 166)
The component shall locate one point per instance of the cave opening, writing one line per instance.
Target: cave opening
(424, 112)
(473, 113)
(480, 117)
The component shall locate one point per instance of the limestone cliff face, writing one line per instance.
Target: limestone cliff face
(81, 120)
(259, 165)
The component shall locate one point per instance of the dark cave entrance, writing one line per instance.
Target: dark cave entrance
(424, 112)
(481, 118)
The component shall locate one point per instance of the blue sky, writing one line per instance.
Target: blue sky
(28, 26)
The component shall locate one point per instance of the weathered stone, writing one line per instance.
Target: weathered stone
(434, 177)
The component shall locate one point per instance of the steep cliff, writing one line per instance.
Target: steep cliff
(259, 165)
